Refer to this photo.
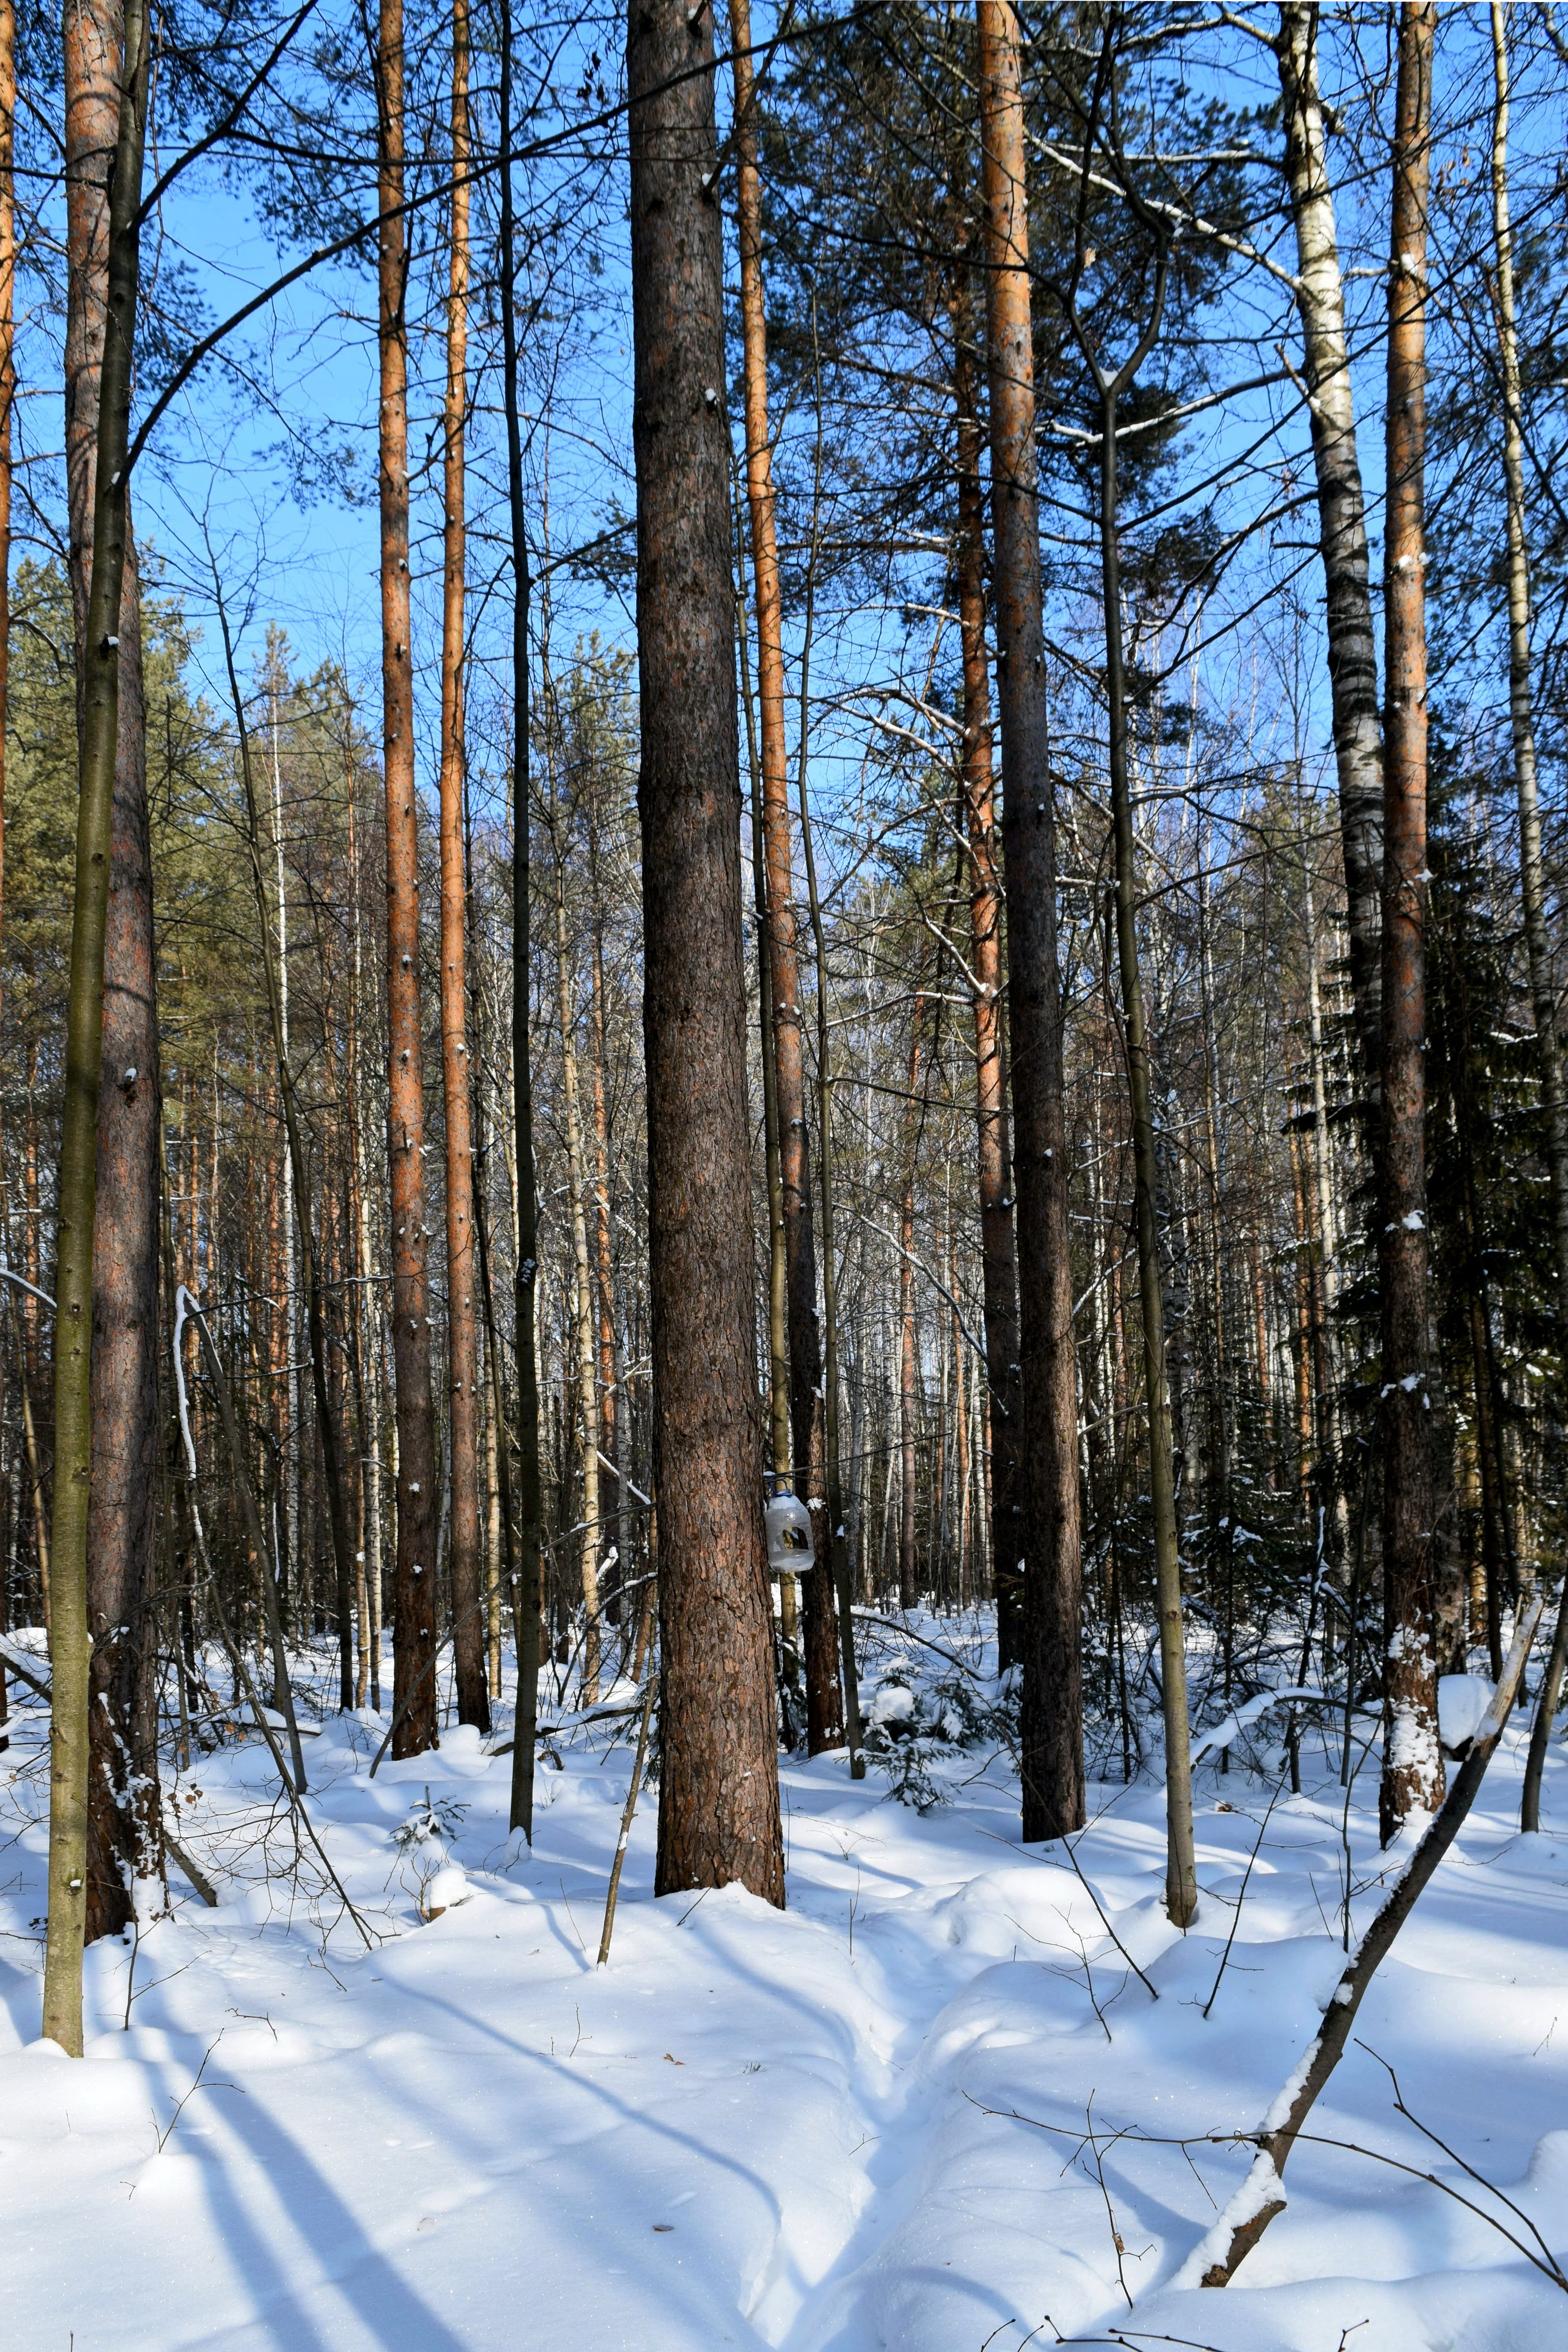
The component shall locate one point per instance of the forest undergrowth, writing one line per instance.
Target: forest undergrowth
(963, 2092)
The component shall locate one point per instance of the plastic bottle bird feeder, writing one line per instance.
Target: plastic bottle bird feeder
(791, 1550)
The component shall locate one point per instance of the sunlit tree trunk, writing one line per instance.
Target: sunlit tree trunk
(293, 1451)
(102, 857)
(527, 1522)
(124, 1832)
(614, 1403)
(462, 1313)
(1413, 1761)
(778, 1285)
(1347, 619)
(366, 1312)
(719, 1804)
(7, 396)
(414, 1632)
(999, 1264)
(1052, 1727)
(824, 1719)
(834, 1583)
(582, 1285)
(1531, 871)
(908, 1360)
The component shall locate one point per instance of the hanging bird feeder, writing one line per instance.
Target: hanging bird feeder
(791, 1550)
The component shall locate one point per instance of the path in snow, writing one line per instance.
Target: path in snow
(752, 2128)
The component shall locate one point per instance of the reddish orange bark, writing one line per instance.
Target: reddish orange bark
(825, 1718)
(462, 1313)
(414, 1632)
(999, 1264)
(1052, 1727)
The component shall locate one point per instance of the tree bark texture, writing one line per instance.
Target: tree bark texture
(529, 1523)
(7, 399)
(833, 1562)
(124, 1839)
(414, 1632)
(1413, 1761)
(719, 1804)
(908, 1360)
(1181, 1883)
(614, 1402)
(824, 1715)
(582, 1291)
(100, 822)
(467, 1567)
(1351, 649)
(1531, 871)
(1052, 1728)
(778, 1309)
(999, 1261)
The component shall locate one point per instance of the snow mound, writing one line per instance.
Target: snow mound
(449, 1887)
(1462, 1700)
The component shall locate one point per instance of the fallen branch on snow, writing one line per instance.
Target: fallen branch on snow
(1261, 2195)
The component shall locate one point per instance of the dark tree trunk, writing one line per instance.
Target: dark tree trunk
(526, 1596)
(909, 1366)
(999, 1260)
(76, 1267)
(124, 1839)
(719, 1806)
(1052, 1730)
(414, 1597)
(1413, 1760)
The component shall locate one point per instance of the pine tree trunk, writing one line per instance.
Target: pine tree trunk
(778, 1342)
(834, 1587)
(366, 1317)
(614, 1406)
(999, 1262)
(582, 1291)
(1413, 1761)
(462, 1315)
(823, 1720)
(719, 1804)
(529, 1519)
(1181, 1878)
(908, 1362)
(7, 398)
(1351, 648)
(778, 1287)
(414, 1632)
(1532, 875)
(99, 856)
(1052, 1729)
(124, 1836)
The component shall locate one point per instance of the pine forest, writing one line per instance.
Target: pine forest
(784, 1175)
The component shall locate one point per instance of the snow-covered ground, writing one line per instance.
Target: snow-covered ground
(915, 2111)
